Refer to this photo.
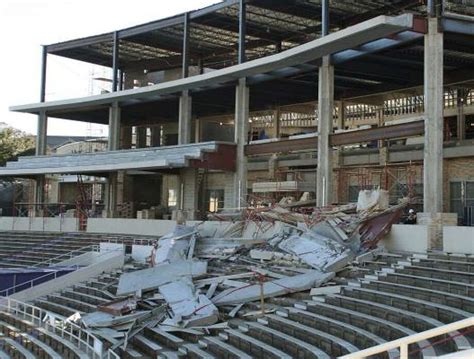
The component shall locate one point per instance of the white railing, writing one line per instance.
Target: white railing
(51, 275)
(31, 283)
(403, 343)
(71, 332)
(68, 255)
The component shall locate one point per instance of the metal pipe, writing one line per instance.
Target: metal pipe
(44, 59)
(242, 31)
(115, 60)
(185, 65)
(431, 8)
(324, 17)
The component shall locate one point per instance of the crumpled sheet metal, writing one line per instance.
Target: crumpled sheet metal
(175, 245)
(188, 307)
(319, 252)
(271, 289)
(164, 273)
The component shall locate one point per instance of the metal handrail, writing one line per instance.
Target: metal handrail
(69, 255)
(403, 343)
(31, 283)
(84, 340)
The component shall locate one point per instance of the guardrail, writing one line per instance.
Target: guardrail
(403, 343)
(51, 275)
(71, 332)
(69, 255)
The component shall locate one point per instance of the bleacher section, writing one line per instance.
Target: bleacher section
(391, 297)
(26, 249)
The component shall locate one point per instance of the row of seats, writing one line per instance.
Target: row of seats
(392, 298)
(26, 249)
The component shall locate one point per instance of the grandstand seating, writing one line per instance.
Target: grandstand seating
(392, 297)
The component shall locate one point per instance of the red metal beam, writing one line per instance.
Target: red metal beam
(223, 159)
(380, 133)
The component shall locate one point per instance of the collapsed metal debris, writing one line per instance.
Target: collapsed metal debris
(201, 276)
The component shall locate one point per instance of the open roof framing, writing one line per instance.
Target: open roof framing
(385, 62)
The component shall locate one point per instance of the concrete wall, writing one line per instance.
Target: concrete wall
(407, 238)
(107, 262)
(46, 224)
(458, 240)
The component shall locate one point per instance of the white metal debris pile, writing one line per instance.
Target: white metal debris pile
(200, 277)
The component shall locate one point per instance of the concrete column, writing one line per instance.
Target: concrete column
(433, 151)
(155, 133)
(240, 137)
(111, 195)
(324, 175)
(140, 137)
(185, 113)
(114, 127)
(41, 134)
(126, 137)
(190, 193)
(276, 123)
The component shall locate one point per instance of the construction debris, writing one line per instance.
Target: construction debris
(151, 278)
(202, 276)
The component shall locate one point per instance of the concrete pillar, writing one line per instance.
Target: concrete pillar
(240, 137)
(125, 137)
(325, 127)
(140, 137)
(111, 195)
(155, 133)
(114, 127)
(185, 113)
(190, 193)
(276, 124)
(41, 134)
(433, 151)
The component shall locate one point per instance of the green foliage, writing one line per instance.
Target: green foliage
(12, 143)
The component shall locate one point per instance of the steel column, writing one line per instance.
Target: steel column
(185, 100)
(115, 61)
(242, 31)
(324, 17)
(185, 65)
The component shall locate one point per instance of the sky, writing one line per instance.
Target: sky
(25, 25)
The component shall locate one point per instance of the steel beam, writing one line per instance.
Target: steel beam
(459, 26)
(334, 42)
(410, 129)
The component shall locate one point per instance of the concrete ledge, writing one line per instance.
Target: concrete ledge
(39, 224)
(407, 238)
(458, 240)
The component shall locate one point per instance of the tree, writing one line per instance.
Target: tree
(12, 143)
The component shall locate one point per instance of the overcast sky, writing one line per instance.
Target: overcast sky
(25, 25)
